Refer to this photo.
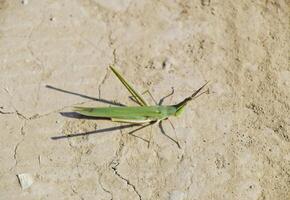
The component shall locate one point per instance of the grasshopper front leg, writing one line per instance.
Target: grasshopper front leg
(163, 132)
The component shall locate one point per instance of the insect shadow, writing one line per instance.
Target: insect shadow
(79, 116)
(84, 96)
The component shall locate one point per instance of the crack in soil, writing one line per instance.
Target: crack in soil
(116, 161)
(102, 82)
(76, 193)
(15, 153)
(5, 113)
(104, 189)
(17, 146)
(126, 180)
(36, 59)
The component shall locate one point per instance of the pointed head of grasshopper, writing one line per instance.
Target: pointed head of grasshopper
(180, 106)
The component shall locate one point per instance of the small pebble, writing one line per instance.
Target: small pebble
(25, 180)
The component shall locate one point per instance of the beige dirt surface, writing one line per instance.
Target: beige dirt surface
(235, 140)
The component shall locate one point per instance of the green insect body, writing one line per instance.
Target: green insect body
(136, 114)
(144, 113)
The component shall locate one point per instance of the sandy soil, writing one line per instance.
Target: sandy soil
(235, 141)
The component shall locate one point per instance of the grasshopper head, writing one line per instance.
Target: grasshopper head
(180, 106)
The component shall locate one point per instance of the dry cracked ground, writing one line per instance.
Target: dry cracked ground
(235, 140)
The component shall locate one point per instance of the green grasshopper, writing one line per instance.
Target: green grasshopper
(143, 114)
